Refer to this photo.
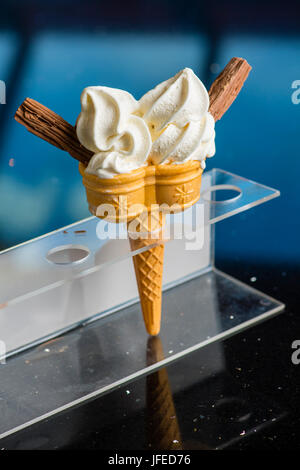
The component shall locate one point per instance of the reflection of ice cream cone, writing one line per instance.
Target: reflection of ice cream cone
(131, 197)
(162, 424)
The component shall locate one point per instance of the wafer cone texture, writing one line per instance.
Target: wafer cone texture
(148, 267)
(177, 186)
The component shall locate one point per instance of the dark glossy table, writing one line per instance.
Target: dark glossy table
(241, 393)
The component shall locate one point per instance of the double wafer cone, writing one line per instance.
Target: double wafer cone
(141, 198)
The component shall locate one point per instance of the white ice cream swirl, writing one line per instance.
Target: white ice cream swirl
(108, 126)
(170, 124)
(176, 112)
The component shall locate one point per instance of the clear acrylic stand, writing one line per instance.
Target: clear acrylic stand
(70, 321)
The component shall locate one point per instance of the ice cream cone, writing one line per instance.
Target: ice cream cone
(167, 127)
(141, 198)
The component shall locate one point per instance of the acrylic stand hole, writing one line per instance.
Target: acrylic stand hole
(68, 254)
(222, 193)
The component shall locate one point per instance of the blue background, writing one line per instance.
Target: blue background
(51, 50)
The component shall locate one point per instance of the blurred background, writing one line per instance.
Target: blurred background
(51, 50)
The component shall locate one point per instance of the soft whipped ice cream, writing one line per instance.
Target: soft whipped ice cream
(170, 124)
(176, 112)
(107, 126)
